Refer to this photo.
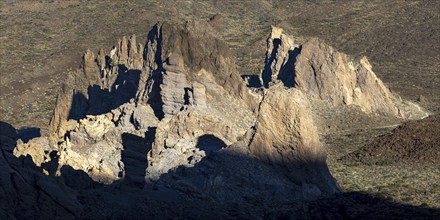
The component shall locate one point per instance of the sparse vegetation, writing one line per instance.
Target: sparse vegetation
(41, 42)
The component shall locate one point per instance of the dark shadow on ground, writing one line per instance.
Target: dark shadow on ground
(218, 187)
(253, 81)
(25, 134)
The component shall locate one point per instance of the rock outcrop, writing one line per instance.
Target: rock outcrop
(185, 139)
(174, 115)
(94, 146)
(175, 89)
(173, 48)
(281, 52)
(38, 148)
(323, 73)
(284, 134)
(199, 96)
(26, 191)
(171, 76)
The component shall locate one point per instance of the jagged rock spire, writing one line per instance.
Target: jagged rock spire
(324, 73)
(280, 57)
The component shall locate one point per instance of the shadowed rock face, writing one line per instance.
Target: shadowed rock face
(175, 115)
(26, 191)
(281, 53)
(285, 134)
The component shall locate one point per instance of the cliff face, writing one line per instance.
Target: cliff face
(180, 69)
(285, 134)
(324, 73)
(327, 74)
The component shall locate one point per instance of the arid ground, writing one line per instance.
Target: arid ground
(42, 41)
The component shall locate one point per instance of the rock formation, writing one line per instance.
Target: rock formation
(175, 89)
(94, 146)
(165, 79)
(173, 45)
(174, 115)
(26, 191)
(280, 57)
(38, 148)
(285, 134)
(323, 73)
(185, 139)
(199, 96)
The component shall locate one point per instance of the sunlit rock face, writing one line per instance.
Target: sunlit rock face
(185, 139)
(324, 73)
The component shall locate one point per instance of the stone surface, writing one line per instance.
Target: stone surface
(324, 73)
(285, 135)
(175, 118)
(38, 148)
(174, 90)
(183, 46)
(185, 139)
(27, 192)
(281, 53)
(199, 96)
(143, 117)
(329, 75)
(94, 146)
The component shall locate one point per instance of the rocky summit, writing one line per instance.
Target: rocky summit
(169, 128)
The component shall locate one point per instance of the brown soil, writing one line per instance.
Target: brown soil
(42, 41)
(414, 141)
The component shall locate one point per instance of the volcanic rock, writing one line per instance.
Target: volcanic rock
(281, 52)
(27, 192)
(94, 146)
(284, 134)
(412, 142)
(185, 139)
(174, 115)
(323, 73)
(37, 148)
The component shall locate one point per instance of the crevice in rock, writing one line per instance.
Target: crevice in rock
(267, 71)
